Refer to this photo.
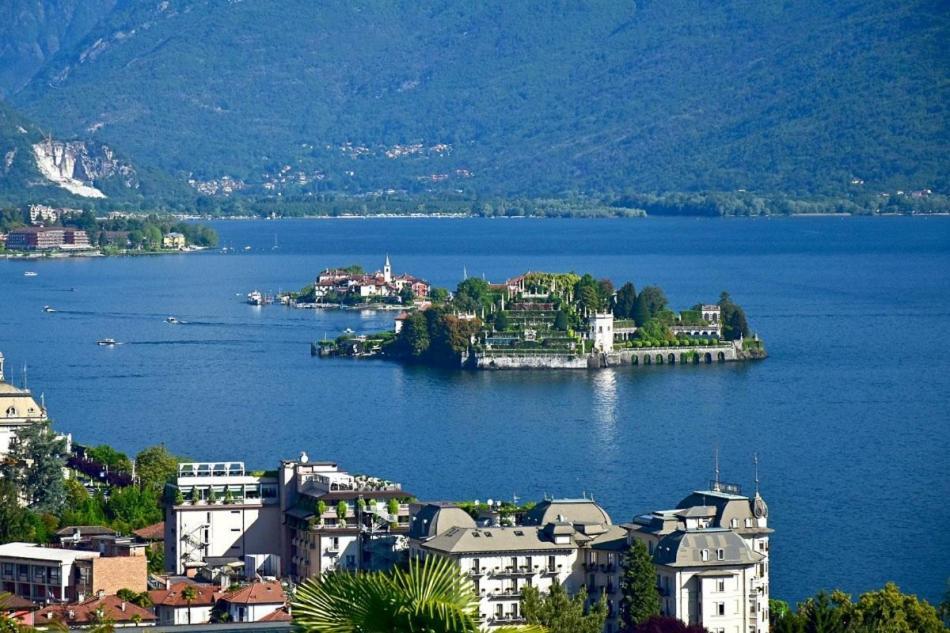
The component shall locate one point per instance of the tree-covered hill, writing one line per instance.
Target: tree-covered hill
(516, 98)
(33, 31)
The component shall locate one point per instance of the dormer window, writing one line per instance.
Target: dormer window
(705, 554)
(11, 412)
(720, 554)
(734, 523)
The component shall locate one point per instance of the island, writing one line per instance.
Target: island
(351, 287)
(543, 320)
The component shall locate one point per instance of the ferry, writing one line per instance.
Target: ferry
(30, 273)
(106, 342)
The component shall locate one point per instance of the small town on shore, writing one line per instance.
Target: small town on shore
(537, 320)
(90, 539)
(43, 231)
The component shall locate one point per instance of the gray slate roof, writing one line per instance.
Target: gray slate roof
(684, 548)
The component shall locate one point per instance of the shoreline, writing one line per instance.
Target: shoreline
(93, 254)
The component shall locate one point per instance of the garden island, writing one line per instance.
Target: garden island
(542, 320)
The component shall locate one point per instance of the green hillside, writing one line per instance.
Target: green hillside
(33, 31)
(516, 98)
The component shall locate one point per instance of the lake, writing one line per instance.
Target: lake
(849, 415)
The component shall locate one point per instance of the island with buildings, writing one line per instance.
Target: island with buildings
(541, 320)
(351, 287)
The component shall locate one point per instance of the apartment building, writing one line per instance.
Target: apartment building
(220, 510)
(337, 520)
(548, 547)
(711, 554)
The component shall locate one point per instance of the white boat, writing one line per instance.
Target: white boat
(255, 298)
(30, 273)
(247, 248)
(107, 342)
(49, 309)
(172, 320)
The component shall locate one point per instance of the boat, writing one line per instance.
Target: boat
(247, 248)
(30, 273)
(49, 309)
(172, 320)
(255, 298)
(107, 342)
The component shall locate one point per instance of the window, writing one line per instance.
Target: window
(720, 554)
(721, 608)
(705, 554)
(11, 412)
(551, 563)
(720, 585)
(652, 547)
(734, 523)
(514, 562)
(476, 565)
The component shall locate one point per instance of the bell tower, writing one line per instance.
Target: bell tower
(387, 271)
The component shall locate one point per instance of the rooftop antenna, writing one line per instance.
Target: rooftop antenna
(24, 376)
(755, 460)
(464, 273)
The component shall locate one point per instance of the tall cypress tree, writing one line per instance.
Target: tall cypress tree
(626, 300)
(641, 600)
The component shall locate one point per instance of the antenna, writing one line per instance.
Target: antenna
(755, 460)
(464, 273)
(24, 376)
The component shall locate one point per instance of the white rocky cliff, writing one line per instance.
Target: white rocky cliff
(77, 165)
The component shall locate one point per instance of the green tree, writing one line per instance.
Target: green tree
(321, 509)
(471, 295)
(15, 523)
(406, 295)
(733, 318)
(626, 301)
(155, 466)
(641, 600)
(560, 613)
(650, 302)
(439, 295)
(501, 321)
(189, 593)
(132, 508)
(341, 510)
(35, 466)
(108, 456)
(414, 339)
(560, 321)
(430, 595)
(888, 609)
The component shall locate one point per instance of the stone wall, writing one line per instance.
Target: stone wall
(699, 355)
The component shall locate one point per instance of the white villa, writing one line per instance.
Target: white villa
(18, 409)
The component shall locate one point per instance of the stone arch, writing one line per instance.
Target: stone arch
(684, 358)
(659, 359)
(721, 357)
(647, 360)
(634, 359)
(671, 358)
(707, 358)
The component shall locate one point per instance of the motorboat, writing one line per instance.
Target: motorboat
(30, 273)
(172, 320)
(49, 309)
(255, 298)
(106, 342)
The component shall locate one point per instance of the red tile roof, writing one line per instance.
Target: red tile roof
(278, 615)
(257, 593)
(172, 597)
(110, 607)
(154, 532)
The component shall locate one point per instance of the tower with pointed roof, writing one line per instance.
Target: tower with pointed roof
(387, 271)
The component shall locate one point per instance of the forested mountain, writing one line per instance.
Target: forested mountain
(514, 98)
(32, 31)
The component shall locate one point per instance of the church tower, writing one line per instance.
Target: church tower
(387, 271)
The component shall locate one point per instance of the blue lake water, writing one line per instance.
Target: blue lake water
(849, 415)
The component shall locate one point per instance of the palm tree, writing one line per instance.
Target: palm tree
(189, 593)
(431, 596)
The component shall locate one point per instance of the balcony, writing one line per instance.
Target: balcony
(550, 571)
(608, 568)
(506, 618)
(505, 594)
(476, 573)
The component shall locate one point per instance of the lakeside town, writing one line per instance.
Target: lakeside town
(41, 231)
(90, 539)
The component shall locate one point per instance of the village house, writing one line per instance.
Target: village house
(86, 613)
(256, 602)
(175, 606)
(174, 240)
(380, 284)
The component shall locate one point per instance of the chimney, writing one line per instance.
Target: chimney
(122, 606)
